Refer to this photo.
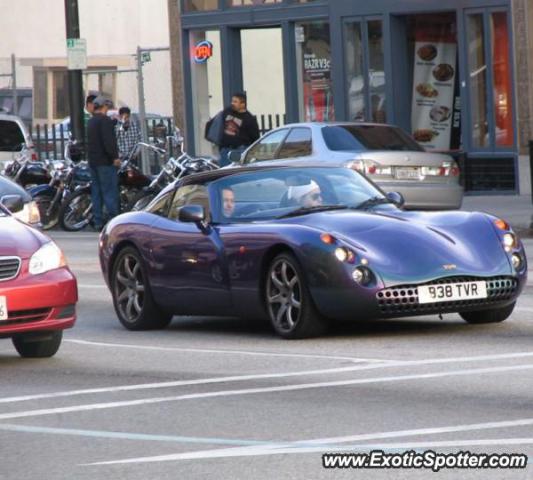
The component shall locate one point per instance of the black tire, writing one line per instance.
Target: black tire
(38, 345)
(495, 315)
(76, 211)
(289, 305)
(132, 297)
(43, 204)
(140, 201)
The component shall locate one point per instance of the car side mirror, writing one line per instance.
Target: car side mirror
(192, 214)
(235, 156)
(396, 198)
(14, 203)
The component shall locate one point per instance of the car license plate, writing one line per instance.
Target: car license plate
(408, 174)
(3, 308)
(451, 292)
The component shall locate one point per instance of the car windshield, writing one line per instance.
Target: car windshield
(368, 137)
(11, 136)
(285, 192)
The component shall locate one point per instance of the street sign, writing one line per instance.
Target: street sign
(76, 54)
(146, 57)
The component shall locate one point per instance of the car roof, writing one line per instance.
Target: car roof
(206, 177)
(334, 124)
(9, 117)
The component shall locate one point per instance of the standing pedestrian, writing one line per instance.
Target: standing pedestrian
(127, 132)
(104, 162)
(233, 129)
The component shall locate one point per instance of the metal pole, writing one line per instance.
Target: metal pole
(142, 110)
(14, 84)
(75, 78)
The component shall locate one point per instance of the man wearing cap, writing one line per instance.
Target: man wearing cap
(104, 162)
(306, 196)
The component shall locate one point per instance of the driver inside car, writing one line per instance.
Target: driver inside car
(228, 202)
(306, 196)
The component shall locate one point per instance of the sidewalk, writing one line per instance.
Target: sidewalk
(516, 209)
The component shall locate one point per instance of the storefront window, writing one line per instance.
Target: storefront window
(313, 56)
(206, 80)
(478, 80)
(376, 71)
(503, 107)
(355, 80)
(200, 5)
(366, 90)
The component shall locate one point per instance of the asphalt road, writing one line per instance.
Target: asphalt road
(213, 398)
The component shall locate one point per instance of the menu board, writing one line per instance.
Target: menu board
(433, 93)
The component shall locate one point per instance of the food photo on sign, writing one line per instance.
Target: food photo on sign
(434, 84)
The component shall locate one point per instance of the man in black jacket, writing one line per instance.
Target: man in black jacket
(104, 162)
(239, 129)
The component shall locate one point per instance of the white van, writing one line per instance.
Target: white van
(14, 137)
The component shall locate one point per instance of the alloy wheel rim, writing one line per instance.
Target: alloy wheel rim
(284, 295)
(129, 288)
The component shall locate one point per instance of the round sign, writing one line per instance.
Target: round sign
(203, 51)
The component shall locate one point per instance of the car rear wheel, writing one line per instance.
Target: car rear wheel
(132, 297)
(38, 345)
(289, 304)
(494, 315)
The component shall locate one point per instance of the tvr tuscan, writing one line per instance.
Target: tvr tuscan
(302, 246)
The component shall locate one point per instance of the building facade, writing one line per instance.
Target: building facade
(456, 75)
(35, 33)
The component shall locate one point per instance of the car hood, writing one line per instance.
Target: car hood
(418, 246)
(17, 239)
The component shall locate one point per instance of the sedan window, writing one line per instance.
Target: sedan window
(160, 205)
(266, 148)
(297, 144)
(368, 137)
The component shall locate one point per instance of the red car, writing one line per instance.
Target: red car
(38, 292)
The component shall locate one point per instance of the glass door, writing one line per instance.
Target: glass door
(365, 70)
(490, 80)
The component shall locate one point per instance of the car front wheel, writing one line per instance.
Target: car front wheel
(132, 297)
(289, 304)
(494, 315)
(38, 345)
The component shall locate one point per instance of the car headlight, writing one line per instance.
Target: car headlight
(29, 214)
(509, 241)
(48, 257)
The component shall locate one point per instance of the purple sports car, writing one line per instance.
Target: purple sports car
(301, 246)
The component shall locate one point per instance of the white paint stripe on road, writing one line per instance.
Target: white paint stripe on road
(251, 391)
(262, 451)
(238, 378)
(86, 285)
(230, 352)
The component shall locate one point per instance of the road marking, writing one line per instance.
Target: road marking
(231, 352)
(86, 285)
(267, 450)
(251, 391)
(238, 378)
(143, 437)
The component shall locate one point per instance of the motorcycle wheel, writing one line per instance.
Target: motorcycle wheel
(76, 211)
(140, 201)
(48, 220)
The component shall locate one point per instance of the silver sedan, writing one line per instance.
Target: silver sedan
(384, 153)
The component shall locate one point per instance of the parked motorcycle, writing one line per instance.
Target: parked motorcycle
(76, 210)
(66, 176)
(27, 172)
(174, 169)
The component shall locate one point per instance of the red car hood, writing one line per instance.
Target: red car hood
(18, 239)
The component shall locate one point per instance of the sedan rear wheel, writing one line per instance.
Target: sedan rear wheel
(494, 315)
(38, 345)
(132, 297)
(289, 304)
